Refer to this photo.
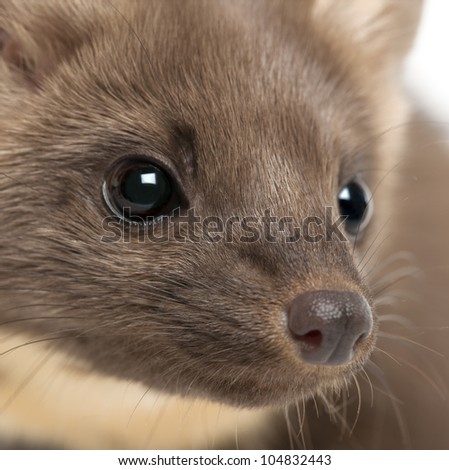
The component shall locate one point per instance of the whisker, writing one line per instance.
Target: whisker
(41, 318)
(31, 342)
(396, 296)
(370, 384)
(395, 402)
(316, 406)
(375, 252)
(378, 184)
(333, 411)
(359, 404)
(377, 348)
(394, 258)
(144, 394)
(294, 441)
(396, 276)
(394, 318)
(408, 340)
(434, 385)
(26, 381)
(301, 423)
(379, 232)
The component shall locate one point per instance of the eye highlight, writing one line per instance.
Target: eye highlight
(355, 202)
(136, 188)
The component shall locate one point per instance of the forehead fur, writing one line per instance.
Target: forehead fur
(258, 80)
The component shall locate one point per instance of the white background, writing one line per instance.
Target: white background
(426, 70)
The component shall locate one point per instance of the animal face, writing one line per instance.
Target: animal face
(252, 112)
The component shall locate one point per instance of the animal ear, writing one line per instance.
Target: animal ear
(380, 29)
(35, 37)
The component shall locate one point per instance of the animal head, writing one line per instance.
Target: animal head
(261, 120)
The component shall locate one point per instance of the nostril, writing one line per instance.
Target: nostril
(310, 340)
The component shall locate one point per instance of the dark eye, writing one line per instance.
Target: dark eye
(137, 188)
(355, 202)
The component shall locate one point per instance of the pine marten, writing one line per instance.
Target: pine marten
(206, 210)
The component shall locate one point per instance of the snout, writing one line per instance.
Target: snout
(329, 326)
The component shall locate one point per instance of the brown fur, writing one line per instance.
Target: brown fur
(252, 105)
